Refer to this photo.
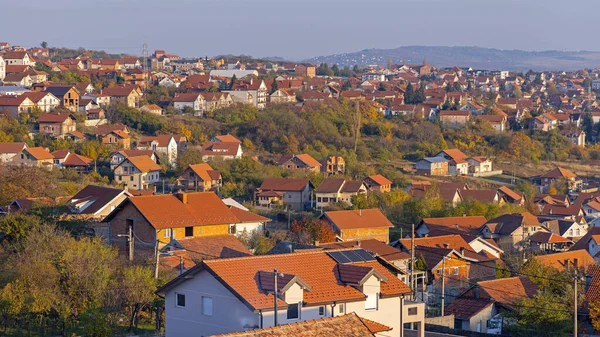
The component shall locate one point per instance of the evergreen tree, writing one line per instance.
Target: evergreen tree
(233, 79)
(409, 94)
(274, 86)
(336, 70)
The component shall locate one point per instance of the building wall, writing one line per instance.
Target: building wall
(229, 313)
(381, 234)
(144, 233)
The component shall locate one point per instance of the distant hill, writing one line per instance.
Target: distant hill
(475, 57)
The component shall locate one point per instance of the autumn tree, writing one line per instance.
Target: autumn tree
(309, 230)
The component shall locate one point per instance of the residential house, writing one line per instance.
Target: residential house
(302, 162)
(572, 229)
(253, 92)
(474, 108)
(216, 100)
(192, 100)
(10, 150)
(56, 124)
(45, 101)
(126, 94)
(541, 123)
(152, 109)
(577, 137)
(311, 285)
(158, 219)
(449, 192)
(454, 118)
(469, 225)
(34, 156)
(137, 173)
(337, 190)
(2, 68)
(96, 201)
(13, 106)
(379, 183)
(200, 178)
(117, 157)
(476, 308)
(18, 58)
(116, 138)
(248, 221)
(68, 96)
(390, 254)
(162, 144)
(333, 165)
(64, 159)
(548, 242)
(433, 166)
(362, 224)
(479, 165)
(305, 70)
(549, 178)
(290, 192)
(95, 114)
(222, 150)
(498, 122)
(18, 79)
(566, 260)
(282, 96)
(510, 196)
(511, 231)
(457, 161)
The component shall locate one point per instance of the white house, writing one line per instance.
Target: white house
(192, 100)
(163, 144)
(138, 173)
(235, 295)
(9, 150)
(249, 222)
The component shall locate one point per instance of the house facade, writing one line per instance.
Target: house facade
(138, 173)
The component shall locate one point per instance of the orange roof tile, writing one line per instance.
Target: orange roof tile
(246, 216)
(557, 260)
(353, 219)
(168, 210)
(380, 180)
(39, 153)
(143, 163)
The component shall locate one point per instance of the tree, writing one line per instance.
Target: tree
(274, 86)
(544, 314)
(381, 87)
(232, 82)
(335, 69)
(421, 264)
(409, 94)
(44, 44)
(309, 230)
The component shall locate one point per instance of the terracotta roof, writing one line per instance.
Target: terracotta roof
(508, 223)
(39, 153)
(54, 117)
(453, 241)
(455, 154)
(105, 129)
(510, 193)
(349, 325)
(284, 184)
(317, 269)
(561, 210)
(559, 173)
(330, 185)
(12, 100)
(353, 219)
(162, 140)
(380, 180)
(227, 139)
(480, 195)
(520, 287)
(557, 260)
(548, 237)
(220, 148)
(592, 294)
(75, 160)
(466, 307)
(305, 158)
(118, 91)
(457, 224)
(374, 246)
(246, 216)
(76, 134)
(134, 153)
(186, 97)
(15, 147)
(201, 170)
(168, 211)
(213, 247)
(143, 163)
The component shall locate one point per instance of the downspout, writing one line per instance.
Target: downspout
(333, 309)
(261, 318)
(401, 316)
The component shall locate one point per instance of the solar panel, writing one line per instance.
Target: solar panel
(350, 256)
(339, 257)
(366, 256)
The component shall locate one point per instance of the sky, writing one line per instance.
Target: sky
(299, 29)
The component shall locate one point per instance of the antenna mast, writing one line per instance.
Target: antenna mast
(145, 65)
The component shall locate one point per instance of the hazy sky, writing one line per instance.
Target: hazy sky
(297, 29)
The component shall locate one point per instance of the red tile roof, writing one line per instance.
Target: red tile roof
(143, 163)
(353, 219)
(454, 224)
(557, 260)
(509, 290)
(39, 153)
(466, 307)
(380, 180)
(168, 211)
(213, 247)
(15, 147)
(54, 117)
(559, 173)
(284, 184)
(246, 216)
(305, 158)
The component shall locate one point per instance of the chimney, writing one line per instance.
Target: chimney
(317, 243)
(291, 247)
(360, 212)
(464, 215)
(462, 251)
(446, 245)
(183, 197)
(476, 292)
(357, 243)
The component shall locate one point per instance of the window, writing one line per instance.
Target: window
(341, 308)
(293, 311)
(180, 300)
(207, 306)
(322, 310)
(168, 232)
(189, 231)
(131, 178)
(455, 270)
(412, 311)
(371, 302)
(577, 232)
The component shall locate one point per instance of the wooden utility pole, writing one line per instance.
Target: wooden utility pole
(443, 282)
(412, 264)
(157, 253)
(131, 243)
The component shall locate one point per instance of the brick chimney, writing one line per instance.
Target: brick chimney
(462, 251)
(183, 197)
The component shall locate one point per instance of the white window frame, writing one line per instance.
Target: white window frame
(168, 232)
(455, 270)
(322, 310)
(372, 302)
(299, 309)
(177, 300)
(207, 306)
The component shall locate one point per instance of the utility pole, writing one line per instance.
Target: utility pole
(275, 299)
(157, 253)
(145, 65)
(412, 263)
(443, 282)
(576, 278)
(131, 243)
(181, 264)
